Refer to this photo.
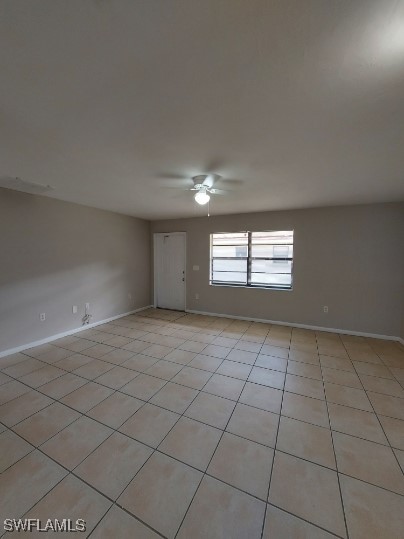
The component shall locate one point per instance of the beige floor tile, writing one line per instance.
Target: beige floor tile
(93, 369)
(387, 405)
(46, 423)
(161, 493)
(356, 423)
(382, 385)
(304, 369)
(27, 482)
(118, 340)
(276, 351)
(304, 386)
(24, 367)
(224, 386)
(174, 397)
(182, 357)
(191, 442)
(347, 396)
(192, 346)
(62, 386)
(212, 410)
(243, 464)
(143, 387)
(116, 377)
(136, 346)
(73, 362)
(394, 429)
(266, 398)
(368, 461)
(128, 526)
(219, 511)
(74, 443)
(99, 350)
(73, 499)
(206, 363)
(306, 409)
(271, 362)
(335, 351)
(112, 466)
(400, 457)
(371, 511)
(234, 369)
(166, 370)
(225, 341)
(306, 441)
(12, 390)
(191, 377)
(220, 351)
(372, 370)
(267, 377)
(12, 449)
(4, 379)
(115, 410)
(13, 359)
(247, 345)
(55, 354)
(254, 424)
(157, 351)
(398, 374)
(22, 407)
(337, 363)
(86, 397)
(282, 525)
(340, 377)
(308, 491)
(240, 356)
(150, 424)
(139, 363)
(304, 357)
(42, 376)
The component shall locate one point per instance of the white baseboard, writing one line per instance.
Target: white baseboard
(67, 333)
(401, 340)
(303, 326)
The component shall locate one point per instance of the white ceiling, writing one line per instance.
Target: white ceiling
(301, 100)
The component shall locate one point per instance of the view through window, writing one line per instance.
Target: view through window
(254, 259)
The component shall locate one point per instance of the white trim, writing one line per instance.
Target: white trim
(155, 268)
(69, 332)
(303, 326)
(401, 340)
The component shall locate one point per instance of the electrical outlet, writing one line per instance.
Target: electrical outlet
(42, 317)
(325, 308)
(129, 296)
(74, 309)
(196, 296)
(87, 307)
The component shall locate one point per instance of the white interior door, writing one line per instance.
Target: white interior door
(169, 270)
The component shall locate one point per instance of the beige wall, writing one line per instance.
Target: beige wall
(54, 255)
(349, 258)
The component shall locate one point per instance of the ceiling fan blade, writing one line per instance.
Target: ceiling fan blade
(225, 182)
(171, 176)
(176, 183)
(218, 192)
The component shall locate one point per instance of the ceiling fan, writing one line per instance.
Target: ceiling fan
(203, 185)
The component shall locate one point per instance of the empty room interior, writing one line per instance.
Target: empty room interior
(202, 269)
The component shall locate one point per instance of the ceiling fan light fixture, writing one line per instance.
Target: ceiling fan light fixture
(202, 197)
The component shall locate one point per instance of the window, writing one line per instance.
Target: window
(253, 259)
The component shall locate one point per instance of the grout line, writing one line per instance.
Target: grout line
(335, 456)
(275, 444)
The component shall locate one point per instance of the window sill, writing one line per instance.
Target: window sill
(274, 288)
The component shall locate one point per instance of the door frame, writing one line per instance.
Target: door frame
(155, 294)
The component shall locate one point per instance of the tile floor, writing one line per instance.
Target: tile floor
(162, 424)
